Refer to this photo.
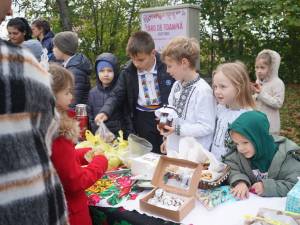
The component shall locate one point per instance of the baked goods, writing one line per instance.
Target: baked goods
(216, 180)
(206, 175)
(206, 164)
(166, 200)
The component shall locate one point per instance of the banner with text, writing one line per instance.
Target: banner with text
(164, 25)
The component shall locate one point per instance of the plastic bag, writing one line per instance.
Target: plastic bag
(105, 134)
(137, 146)
(44, 59)
(190, 149)
(110, 150)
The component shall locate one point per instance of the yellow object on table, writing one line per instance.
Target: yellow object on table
(111, 150)
(100, 185)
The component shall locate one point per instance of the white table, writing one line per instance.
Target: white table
(231, 213)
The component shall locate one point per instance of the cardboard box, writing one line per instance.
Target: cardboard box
(186, 190)
(293, 199)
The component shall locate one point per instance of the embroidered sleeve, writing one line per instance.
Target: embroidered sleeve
(177, 129)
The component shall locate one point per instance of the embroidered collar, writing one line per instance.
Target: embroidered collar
(190, 83)
(152, 71)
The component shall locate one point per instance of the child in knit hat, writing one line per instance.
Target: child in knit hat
(65, 49)
(35, 47)
(106, 76)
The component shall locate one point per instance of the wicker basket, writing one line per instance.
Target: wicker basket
(212, 184)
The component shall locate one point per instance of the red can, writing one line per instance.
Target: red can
(82, 118)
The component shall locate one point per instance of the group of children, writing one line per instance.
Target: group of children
(223, 118)
(233, 130)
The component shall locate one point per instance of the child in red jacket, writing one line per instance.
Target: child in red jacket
(66, 159)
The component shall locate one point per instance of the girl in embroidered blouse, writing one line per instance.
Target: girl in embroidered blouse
(191, 96)
(232, 90)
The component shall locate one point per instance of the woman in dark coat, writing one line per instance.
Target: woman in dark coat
(41, 30)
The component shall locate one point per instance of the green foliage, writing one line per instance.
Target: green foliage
(102, 25)
(290, 113)
(229, 29)
(239, 29)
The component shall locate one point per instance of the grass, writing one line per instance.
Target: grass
(290, 113)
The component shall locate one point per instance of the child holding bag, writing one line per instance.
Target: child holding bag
(107, 74)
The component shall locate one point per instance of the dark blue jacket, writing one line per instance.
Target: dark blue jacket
(127, 88)
(119, 120)
(81, 68)
(47, 43)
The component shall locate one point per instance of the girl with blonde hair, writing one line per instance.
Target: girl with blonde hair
(232, 90)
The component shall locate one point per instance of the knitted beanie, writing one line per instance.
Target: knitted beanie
(66, 42)
(103, 64)
(35, 47)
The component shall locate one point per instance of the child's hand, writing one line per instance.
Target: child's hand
(101, 117)
(256, 88)
(167, 130)
(240, 190)
(163, 148)
(258, 187)
(160, 130)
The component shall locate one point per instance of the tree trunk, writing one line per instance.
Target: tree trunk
(212, 58)
(95, 23)
(220, 35)
(240, 47)
(230, 40)
(114, 30)
(131, 16)
(64, 14)
(102, 18)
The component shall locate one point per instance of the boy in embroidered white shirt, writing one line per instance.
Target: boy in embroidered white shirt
(190, 95)
(143, 86)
